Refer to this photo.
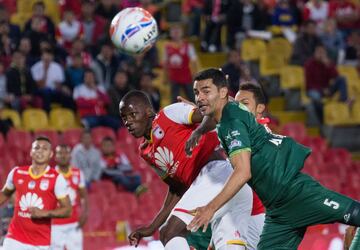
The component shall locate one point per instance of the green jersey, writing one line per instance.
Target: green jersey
(275, 159)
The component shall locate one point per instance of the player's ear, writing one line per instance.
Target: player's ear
(224, 92)
(260, 108)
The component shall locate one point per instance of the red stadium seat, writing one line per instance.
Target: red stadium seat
(72, 136)
(99, 133)
(51, 134)
(19, 139)
(295, 130)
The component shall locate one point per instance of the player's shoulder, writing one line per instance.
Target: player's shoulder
(235, 110)
(52, 173)
(21, 169)
(75, 170)
(177, 107)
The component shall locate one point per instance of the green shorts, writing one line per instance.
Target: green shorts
(304, 203)
(355, 244)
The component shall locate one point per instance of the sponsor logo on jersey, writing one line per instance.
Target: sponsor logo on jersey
(235, 143)
(31, 185)
(44, 184)
(347, 217)
(158, 132)
(237, 234)
(30, 200)
(235, 133)
(23, 172)
(49, 175)
(164, 159)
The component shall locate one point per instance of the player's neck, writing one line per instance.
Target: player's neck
(64, 169)
(38, 169)
(219, 109)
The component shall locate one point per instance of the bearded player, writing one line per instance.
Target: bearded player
(67, 232)
(38, 189)
(191, 180)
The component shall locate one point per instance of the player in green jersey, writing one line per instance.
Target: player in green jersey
(272, 165)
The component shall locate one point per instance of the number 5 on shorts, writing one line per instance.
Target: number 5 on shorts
(332, 204)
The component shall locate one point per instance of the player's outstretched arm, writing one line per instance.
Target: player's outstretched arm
(241, 175)
(63, 211)
(349, 235)
(172, 198)
(5, 194)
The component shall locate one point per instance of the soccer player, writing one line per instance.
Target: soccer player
(38, 189)
(271, 164)
(67, 233)
(192, 180)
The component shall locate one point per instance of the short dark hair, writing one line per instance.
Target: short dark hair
(139, 96)
(42, 138)
(107, 138)
(256, 89)
(216, 75)
(63, 145)
(39, 3)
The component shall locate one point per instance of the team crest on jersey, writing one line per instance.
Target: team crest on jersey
(31, 185)
(75, 180)
(235, 143)
(158, 132)
(44, 184)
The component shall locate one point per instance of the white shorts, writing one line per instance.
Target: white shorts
(256, 224)
(229, 224)
(67, 235)
(11, 244)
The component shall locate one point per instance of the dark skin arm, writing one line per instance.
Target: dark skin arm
(63, 211)
(175, 192)
(5, 195)
(349, 235)
(84, 206)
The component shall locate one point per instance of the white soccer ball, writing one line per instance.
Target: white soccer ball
(133, 30)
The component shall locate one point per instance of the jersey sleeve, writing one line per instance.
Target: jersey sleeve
(180, 112)
(82, 183)
(236, 137)
(9, 184)
(61, 187)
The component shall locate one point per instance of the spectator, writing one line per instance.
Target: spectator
(74, 5)
(215, 17)
(305, 44)
(284, 15)
(246, 75)
(92, 101)
(135, 66)
(46, 24)
(317, 11)
(20, 85)
(352, 52)
(107, 9)
(322, 79)
(346, 14)
(6, 50)
(116, 92)
(93, 24)
(49, 78)
(78, 47)
(75, 72)
(242, 16)
(179, 62)
(25, 49)
(146, 85)
(118, 168)
(68, 30)
(193, 10)
(12, 29)
(333, 41)
(3, 89)
(87, 158)
(105, 65)
(232, 68)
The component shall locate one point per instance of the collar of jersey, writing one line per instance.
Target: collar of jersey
(66, 175)
(39, 175)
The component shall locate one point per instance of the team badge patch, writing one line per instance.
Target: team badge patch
(234, 144)
(31, 185)
(158, 132)
(44, 184)
(75, 180)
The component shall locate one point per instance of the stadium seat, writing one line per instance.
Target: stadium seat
(271, 64)
(19, 139)
(62, 119)
(51, 134)
(72, 136)
(252, 49)
(355, 112)
(292, 77)
(35, 119)
(337, 113)
(349, 72)
(99, 133)
(295, 130)
(280, 46)
(13, 115)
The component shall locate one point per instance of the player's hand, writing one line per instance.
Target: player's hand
(182, 99)
(192, 142)
(37, 213)
(137, 235)
(203, 215)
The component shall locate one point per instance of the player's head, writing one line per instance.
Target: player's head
(86, 138)
(63, 155)
(252, 96)
(137, 113)
(210, 89)
(108, 146)
(41, 151)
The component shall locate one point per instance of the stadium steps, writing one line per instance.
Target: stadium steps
(290, 116)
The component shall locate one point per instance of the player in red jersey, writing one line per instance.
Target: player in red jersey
(67, 232)
(38, 189)
(192, 180)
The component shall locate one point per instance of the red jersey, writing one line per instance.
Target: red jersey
(178, 62)
(165, 151)
(75, 180)
(43, 192)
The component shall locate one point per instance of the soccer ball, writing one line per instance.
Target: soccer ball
(133, 30)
